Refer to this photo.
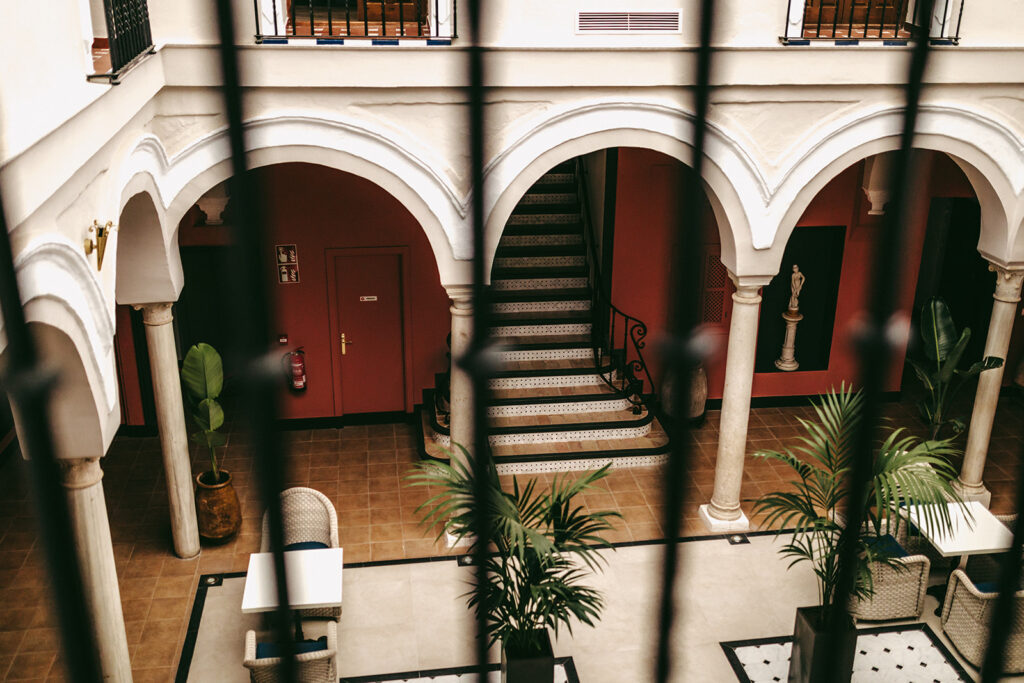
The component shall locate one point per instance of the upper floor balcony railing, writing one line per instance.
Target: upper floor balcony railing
(333, 21)
(851, 21)
(128, 38)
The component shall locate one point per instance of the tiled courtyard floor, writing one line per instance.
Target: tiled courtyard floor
(360, 469)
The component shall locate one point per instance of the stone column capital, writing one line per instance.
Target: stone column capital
(1008, 282)
(462, 299)
(81, 473)
(155, 314)
(748, 287)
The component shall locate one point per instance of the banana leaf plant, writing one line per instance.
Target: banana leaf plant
(202, 377)
(905, 471)
(536, 582)
(939, 372)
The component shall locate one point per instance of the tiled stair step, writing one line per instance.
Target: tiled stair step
(580, 293)
(545, 197)
(557, 405)
(539, 330)
(549, 366)
(538, 272)
(522, 395)
(545, 240)
(526, 224)
(540, 317)
(561, 208)
(638, 427)
(532, 250)
(590, 379)
(536, 283)
(556, 353)
(557, 179)
(554, 422)
(560, 185)
(554, 341)
(542, 306)
(503, 263)
(589, 454)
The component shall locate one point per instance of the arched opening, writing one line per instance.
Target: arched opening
(344, 256)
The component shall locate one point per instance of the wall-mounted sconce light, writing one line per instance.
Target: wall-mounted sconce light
(99, 243)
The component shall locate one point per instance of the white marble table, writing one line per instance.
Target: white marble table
(314, 580)
(978, 534)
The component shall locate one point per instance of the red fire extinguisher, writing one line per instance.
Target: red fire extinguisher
(295, 369)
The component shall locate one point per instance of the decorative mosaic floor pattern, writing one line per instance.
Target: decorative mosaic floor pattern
(565, 672)
(894, 655)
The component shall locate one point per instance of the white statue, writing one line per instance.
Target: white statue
(796, 284)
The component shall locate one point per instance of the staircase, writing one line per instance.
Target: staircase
(556, 405)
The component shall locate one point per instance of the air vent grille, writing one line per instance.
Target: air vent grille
(628, 22)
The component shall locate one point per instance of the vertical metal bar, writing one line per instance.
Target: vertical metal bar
(942, 27)
(256, 15)
(366, 14)
(383, 18)
(683, 344)
(867, 19)
(419, 18)
(817, 29)
(29, 386)
(1003, 613)
(881, 22)
(348, 17)
(849, 26)
(312, 19)
(293, 6)
(475, 360)
(401, 17)
(455, 19)
(259, 370)
(959, 19)
(273, 8)
(437, 17)
(330, 18)
(835, 18)
(872, 343)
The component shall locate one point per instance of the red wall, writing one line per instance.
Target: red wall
(647, 184)
(316, 209)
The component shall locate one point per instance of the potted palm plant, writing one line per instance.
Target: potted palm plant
(906, 471)
(544, 546)
(219, 513)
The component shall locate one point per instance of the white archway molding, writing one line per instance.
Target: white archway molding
(147, 257)
(989, 153)
(59, 289)
(284, 138)
(735, 185)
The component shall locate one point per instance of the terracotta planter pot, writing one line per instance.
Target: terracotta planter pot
(217, 508)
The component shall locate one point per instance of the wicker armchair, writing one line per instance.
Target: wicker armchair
(966, 614)
(309, 516)
(986, 568)
(899, 592)
(313, 667)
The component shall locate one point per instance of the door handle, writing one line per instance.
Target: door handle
(344, 343)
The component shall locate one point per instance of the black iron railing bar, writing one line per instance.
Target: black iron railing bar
(682, 348)
(602, 293)
(849, 27)
(383, 18)
(1006, 604)
(293, 5)
(259, 372)
(330, 18)
(875, 343)
(881, 21)
(29, 387)
(348, 18)
(959, 19)
(476, 361)
(817, 30)
(419, 18)
(312, 19)
(401, 18)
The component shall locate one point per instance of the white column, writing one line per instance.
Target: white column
(170, 418)
(87, 508)
(723, 513)
(1007, 294)
(461, 422)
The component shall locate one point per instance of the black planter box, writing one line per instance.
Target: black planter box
(814, 653)
(532, 667)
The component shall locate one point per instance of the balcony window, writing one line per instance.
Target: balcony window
(128, 39)
(885, 20)
(355, 19)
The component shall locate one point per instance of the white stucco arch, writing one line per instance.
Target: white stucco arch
(989, 153)
(147, 257)
(733, 182)
(65, 306)
(400, 167)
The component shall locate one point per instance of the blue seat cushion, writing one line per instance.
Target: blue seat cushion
(887, 545)
(305, 545)
(269, 650)
(987, 587)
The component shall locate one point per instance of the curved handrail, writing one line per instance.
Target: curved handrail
(633, 329)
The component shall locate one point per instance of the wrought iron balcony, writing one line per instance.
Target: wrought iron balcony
(851, 21)
(339, 20)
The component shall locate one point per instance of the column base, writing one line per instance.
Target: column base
(452, 541)
(973, 492)
(741, 523)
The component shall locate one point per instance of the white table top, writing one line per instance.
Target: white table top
(976, 535)
(314, 580)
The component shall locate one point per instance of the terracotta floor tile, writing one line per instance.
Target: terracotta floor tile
(31, 665)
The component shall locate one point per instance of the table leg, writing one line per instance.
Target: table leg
(939, 591)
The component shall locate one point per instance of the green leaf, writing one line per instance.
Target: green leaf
(202, 373)
(937, 329)
(986, 363)
(209, 415)
(922, 374)
(953, 357)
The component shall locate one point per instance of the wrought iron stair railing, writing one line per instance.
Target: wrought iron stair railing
(619, 339)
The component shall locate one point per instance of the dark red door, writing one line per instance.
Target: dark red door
(370, 357)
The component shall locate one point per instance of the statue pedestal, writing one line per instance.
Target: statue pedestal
(787, 361)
